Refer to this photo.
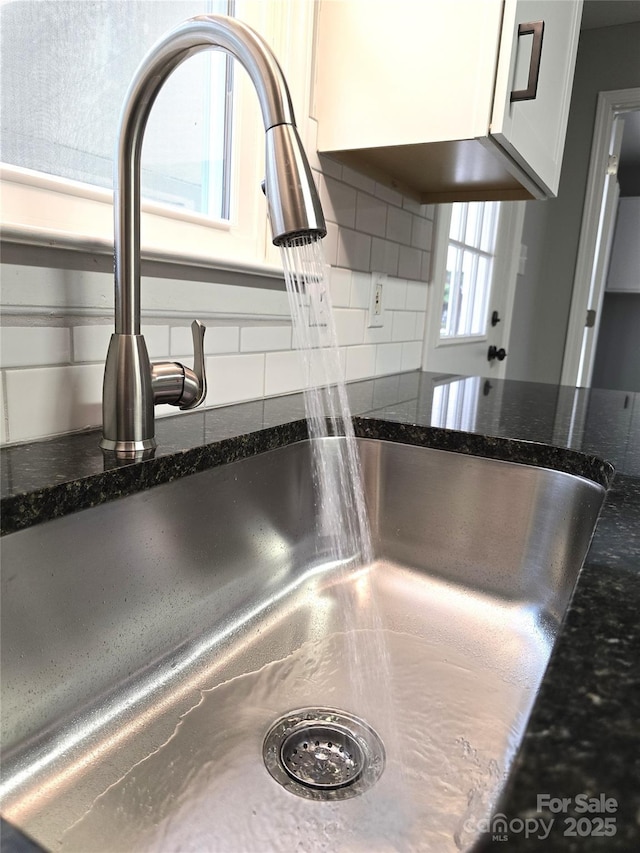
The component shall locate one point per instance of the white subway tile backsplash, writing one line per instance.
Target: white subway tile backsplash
(90, 343)
(360, 290)
(399, 223)
(371, 215)
(25, 346)
(380, 334)
(265, 338)
(362, 182)
(338, 201)
(412, 205)
(422, 233)
(49, 400)
(425, 267)
(330, 244)
(327, 370)
(330, 167)
(409, 263)
(395, 294)
(340, 285)
(384, 256)
(388, 359)
(421, 319)
(354, 250)
(411, 355)
(217, 339)
(349, 326)
(157, 339)
(232, 378)
(284, 373)
(416, 296)
(361, 362)
(404, 326)
(388, 195)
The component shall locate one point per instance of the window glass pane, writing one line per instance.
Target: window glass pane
(489, 219)
(458, 214)
(65, 68)
(451, 294)
(474, 222)
(463, 326)
(483, 284)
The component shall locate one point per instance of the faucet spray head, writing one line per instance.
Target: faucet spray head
(292, 197)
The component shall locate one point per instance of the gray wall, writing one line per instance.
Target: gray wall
(617, 362)
(608, 58)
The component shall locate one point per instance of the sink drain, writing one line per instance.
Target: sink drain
(323, 754)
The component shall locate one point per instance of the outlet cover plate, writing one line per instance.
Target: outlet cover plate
(376, 300)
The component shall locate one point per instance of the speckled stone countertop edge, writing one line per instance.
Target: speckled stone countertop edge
(20, 511)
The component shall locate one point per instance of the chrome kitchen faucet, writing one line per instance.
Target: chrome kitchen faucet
(132, 385)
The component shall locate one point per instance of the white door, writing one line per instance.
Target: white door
(477, 254)
(534, 79)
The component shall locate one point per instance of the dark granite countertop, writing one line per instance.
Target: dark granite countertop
(584, 733)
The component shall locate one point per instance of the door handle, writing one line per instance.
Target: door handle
(536, 29)
(494, 353)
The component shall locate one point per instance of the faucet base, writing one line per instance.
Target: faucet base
(130, 449)
(127, 398)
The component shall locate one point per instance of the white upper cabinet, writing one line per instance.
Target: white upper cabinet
(419, 94)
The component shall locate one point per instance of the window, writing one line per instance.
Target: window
(61, 117)
(469, 268)
(65, 67)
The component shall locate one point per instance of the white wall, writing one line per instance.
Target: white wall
(608, 59)
(57, 315)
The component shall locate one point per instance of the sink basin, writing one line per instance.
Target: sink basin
(149, 645)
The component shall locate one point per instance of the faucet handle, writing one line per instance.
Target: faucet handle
(195, 381)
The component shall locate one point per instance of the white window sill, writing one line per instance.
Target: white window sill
(34, 205)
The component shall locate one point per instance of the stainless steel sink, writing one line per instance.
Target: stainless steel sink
(149, 645)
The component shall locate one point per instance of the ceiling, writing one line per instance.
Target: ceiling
(609, 13)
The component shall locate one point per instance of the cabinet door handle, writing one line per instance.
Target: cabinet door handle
(535, 28)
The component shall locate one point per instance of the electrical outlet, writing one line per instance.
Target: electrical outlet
(376, 303)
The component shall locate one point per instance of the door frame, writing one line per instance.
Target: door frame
(579, 357)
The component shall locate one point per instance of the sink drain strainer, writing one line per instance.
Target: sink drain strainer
(323, 754)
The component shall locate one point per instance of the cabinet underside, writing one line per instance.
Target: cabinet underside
(438, 172)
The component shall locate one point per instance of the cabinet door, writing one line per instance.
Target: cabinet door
(404, 72)
(532, 131)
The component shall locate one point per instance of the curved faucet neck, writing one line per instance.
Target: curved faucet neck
(194, 35)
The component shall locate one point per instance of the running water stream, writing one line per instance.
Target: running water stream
(344, 527)
(344, 534)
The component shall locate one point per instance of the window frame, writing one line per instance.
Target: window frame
(45, 210)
